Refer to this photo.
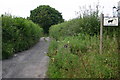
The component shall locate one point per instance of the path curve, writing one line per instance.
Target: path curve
(32, 63)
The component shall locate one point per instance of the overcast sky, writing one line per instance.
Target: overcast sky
(66, 7)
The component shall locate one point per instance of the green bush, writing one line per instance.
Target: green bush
(45, 16)
(18, 34)
(87, 25)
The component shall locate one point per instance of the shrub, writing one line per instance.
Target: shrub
(85, 25)
(46, 16)
(18, 34)
(89, 24)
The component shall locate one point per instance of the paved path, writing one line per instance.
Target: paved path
(32, 63)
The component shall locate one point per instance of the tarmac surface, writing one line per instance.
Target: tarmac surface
(32, 63)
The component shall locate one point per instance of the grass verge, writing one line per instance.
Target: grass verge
(78, 57)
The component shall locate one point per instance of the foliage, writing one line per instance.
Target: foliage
(18, 34)
(78, 57)
(74, 50)
(88, 24)
(46, 16)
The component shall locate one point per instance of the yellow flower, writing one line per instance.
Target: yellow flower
(53, 59)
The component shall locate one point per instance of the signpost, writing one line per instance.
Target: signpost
(118, 27)
(106, 21)
(101, 32)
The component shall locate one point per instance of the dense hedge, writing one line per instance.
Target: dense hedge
(89, 25)
(18, 34)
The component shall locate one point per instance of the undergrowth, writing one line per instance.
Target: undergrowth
(78, 57)
(74, 49)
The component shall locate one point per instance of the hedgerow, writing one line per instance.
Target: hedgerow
(18, 34)
(89, 24)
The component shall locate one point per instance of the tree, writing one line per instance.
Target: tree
(46, 16)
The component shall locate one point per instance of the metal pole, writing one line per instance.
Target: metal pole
(101, 32)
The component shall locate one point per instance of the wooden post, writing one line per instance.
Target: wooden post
(101, 32)
(118, 39)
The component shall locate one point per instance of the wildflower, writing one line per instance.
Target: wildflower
(53, 59)
(68, 42)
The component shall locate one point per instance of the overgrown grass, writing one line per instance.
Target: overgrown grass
(78, 57)
(18, 34)
(74, 50)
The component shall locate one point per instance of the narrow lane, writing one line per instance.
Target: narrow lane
(32, 63)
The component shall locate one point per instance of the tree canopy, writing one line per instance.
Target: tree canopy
(46, 16)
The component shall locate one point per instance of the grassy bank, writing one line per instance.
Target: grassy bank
(74, 50)
(78, 57)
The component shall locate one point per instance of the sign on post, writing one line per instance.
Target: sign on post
(113, 21)
(109, 21)
(106, 21)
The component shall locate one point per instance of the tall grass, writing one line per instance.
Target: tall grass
(78, 57)
(18, 34)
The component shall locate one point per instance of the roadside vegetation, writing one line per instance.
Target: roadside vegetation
(18, 34)
(74, 49)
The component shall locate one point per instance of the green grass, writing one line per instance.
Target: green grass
(78, 57)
